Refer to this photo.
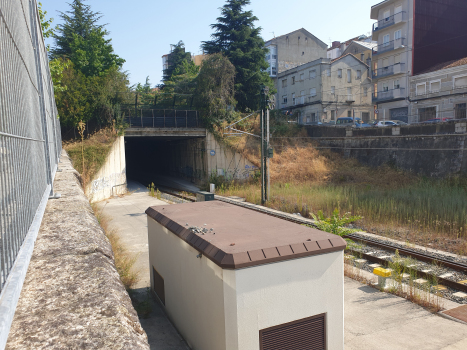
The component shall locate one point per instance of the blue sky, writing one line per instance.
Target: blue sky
(142, 30)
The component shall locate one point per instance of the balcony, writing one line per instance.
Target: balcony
(389, 70)
(382, 96)
(389, 21)
(389, 46)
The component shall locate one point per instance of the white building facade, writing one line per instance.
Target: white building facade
(392, 58)
(440, 92)
(324, 90)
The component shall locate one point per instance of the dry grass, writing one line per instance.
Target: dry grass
(96, 148)
(124, 260)
(392, 202)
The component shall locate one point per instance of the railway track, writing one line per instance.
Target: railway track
(427, 258)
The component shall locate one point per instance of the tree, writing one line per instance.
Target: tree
(214, 93)
(175, 61)
(239, 40)
(81, 40)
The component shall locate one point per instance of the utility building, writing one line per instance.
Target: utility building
(233, 279)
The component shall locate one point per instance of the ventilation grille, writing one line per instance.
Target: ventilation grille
(158, 285)
(305, 334)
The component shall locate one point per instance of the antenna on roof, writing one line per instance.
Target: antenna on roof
(273, 34)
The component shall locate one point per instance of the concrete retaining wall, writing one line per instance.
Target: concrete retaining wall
(197, 159)
(110, 180)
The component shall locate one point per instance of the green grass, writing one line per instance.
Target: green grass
(434, 206)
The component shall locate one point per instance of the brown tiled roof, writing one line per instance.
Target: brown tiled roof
(242, 237)
(446, 65)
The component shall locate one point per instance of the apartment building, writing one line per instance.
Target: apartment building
(412, 35)
(361, 49)
(293, 49)
(440, 92)
(324, 90)
(338, 48)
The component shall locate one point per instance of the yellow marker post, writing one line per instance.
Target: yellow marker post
(382, 274)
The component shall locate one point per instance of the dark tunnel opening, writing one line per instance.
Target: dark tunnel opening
(160, 160)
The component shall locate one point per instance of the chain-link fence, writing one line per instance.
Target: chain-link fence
(30, 141)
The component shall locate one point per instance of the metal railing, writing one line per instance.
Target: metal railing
(163, 118)
(389, 70)
(30, 144)
(388, 95)
(388, 21)
(388, 46)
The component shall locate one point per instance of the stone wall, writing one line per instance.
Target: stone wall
(72, 297)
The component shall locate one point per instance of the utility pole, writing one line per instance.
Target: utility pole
(266, 151)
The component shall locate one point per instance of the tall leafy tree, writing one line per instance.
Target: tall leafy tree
(81, 40)
(239, 40)
(177, 61)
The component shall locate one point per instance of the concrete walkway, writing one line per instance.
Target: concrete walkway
(373, 320)
(130, 223)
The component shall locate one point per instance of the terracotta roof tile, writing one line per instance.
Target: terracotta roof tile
(446, 65)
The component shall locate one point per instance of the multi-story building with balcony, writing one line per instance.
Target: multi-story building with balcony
(412, 35)
(293, 49)
(324, 90)
(440, 92)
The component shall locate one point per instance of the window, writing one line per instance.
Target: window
(365, 117)
(386, 15)
(302, 76)
(349, 75)
(274, 71)
(461, 111)
(312, 74)
(328, 72)
(333, 115)
(421, 89)
(397, 35)
(349, 94)
(302, 93)
(435, 86)
(333, 90)
(293, 80)
(397, 84)
(425, 114)
(397, 59)
(362, 57)
(385, 87)
(349, 114)
(308, 118)
(359, 74)
(293, 98)
(313, 92)
(314, 117)
(365, 91)
(460, 82)
(284, 99)
(386, 40)
(385, 63)
(284, 83)
(398, 9)
(339, 73)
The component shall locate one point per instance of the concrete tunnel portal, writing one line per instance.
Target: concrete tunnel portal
(159, 159)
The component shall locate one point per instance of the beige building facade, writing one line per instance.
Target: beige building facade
(392, 58)
(324, 90)
(293, 49)
(440, 93)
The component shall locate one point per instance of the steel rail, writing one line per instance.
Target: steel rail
(408, 252)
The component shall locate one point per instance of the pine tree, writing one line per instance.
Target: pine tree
(239, 40)
(81, 40)
(176, 61)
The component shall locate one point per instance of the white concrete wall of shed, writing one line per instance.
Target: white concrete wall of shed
(273, 294)
(230, 163)
(106, 182)
(194, 297)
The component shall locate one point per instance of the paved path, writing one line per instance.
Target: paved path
(373, 320)
(130, 222)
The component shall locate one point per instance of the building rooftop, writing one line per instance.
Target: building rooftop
(446, 65)
(303, 30)
(237, 237)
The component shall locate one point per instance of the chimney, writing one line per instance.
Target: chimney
(335, 44)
